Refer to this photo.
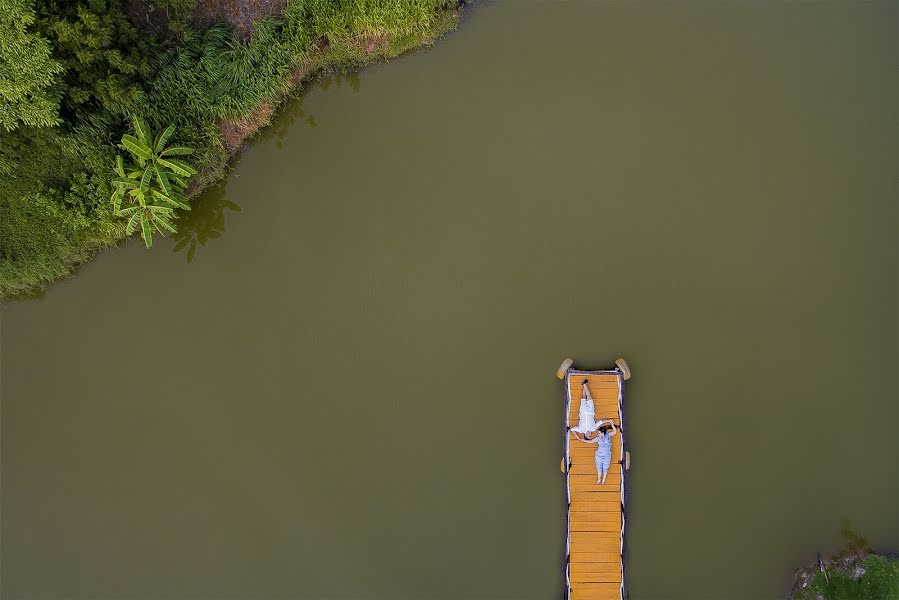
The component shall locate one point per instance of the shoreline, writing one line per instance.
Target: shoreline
(345, 54)
(349, 56)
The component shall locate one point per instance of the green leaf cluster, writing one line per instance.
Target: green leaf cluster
(27, 70)
(152, 185)
(105, 59)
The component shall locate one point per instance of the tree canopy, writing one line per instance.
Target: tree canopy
(27, 70)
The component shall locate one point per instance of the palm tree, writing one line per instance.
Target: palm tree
(153, 184)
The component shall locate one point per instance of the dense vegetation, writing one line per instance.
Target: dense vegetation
(880, 581)
(73, 72)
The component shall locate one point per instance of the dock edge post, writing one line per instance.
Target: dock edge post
(622, 366)
(563, 368)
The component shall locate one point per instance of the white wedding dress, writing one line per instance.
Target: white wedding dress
(586, 418)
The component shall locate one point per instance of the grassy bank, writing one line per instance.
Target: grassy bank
(857, 577)
(104, 60)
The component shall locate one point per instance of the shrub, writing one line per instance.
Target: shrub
(153, 184)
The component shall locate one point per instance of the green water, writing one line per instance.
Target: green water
(348, 392)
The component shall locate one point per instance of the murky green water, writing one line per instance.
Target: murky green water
(348, 392)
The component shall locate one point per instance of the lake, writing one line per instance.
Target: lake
(338, 382)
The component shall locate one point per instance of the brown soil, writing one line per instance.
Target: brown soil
(235, 131)
(240, 14)
(297, 76)
(322, 43)
(374, 42)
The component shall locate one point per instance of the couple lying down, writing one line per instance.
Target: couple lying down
(603, 438)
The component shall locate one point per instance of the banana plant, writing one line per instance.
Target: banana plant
(151, 186)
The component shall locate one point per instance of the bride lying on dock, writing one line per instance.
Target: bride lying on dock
(587, 414)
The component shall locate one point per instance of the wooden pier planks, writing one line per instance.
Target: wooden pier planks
(595, 562)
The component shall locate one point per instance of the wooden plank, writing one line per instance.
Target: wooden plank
(594, 487)
(583, 471)
(579, 457)
(604, 401)
(576, 386)
(596, 495)
(601, 410)
(586, 527)
(596, 391)
(611, 516)
(600, 397)
(576, 444)
(578, 480)
(584, 571)
(598, 547)
(594, 567)
(579, 466)
(611, 378)
(601, 380)
(582, 578)
(596, 557)
(584, 454)
(586, 505)
(581, 526)
(595, 541)
(589, 449)
(587, 470)
(599, 401)
(596, 591)
(596, 515)
(595, 378)
(595, 536)
(606, 415)
(587, 473)
(586, 464)
(599, 394)
(611, 408)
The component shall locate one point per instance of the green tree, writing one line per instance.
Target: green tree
(153, 184)
(104, 56)
(27, 70)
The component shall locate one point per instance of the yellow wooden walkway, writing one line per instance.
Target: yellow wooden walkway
(595, 567)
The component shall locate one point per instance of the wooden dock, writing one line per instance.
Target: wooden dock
(594, 554)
